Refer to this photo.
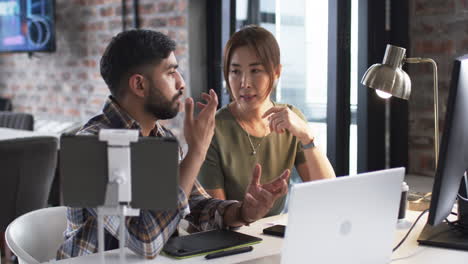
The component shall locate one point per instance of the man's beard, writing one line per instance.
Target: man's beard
(159, 106)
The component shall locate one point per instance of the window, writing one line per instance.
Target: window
(322, 66)
(326, 47)
(303, 42)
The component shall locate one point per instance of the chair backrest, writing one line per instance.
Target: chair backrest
(16, 120)
(27, 168)
(36, 236)
(5, 104)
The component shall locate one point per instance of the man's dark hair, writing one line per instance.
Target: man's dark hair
(130, 50)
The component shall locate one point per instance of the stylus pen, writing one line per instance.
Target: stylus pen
(229, 252)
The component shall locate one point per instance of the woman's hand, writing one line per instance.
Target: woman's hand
(281, 118)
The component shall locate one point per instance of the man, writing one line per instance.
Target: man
(140, 70)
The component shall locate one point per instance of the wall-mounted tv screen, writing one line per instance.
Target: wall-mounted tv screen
(27, 25)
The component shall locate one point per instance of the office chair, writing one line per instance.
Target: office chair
(27, 167)
(5, 104)
(16, 120)
(36, 236)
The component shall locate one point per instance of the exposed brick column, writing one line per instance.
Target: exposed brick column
(67, 84)
(439, 30)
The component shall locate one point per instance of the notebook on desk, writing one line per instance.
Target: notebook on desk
(207, 242)
(344, 220)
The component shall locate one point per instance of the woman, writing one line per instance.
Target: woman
(253, 129)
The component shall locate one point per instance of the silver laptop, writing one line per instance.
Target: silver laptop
(344, 220)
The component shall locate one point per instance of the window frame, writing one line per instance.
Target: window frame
(372, 40)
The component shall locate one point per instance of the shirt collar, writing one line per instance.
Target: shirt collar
(118, 117)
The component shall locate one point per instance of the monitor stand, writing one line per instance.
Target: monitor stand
(443, 235)
(446, 235)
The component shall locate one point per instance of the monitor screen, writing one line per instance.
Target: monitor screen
(27, 25)
(453, 162)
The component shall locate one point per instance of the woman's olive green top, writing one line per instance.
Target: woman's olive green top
(230, 160)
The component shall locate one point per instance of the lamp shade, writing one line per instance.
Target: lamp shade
(389, 77)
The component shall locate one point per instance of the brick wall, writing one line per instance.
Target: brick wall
(438, 29)
(66, 84)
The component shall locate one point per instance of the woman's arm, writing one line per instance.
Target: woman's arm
(316, 166)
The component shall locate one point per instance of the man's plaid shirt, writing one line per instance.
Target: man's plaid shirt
(147, 233)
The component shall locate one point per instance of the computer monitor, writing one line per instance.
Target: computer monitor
(449, 182)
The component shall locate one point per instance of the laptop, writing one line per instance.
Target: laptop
(344, 220)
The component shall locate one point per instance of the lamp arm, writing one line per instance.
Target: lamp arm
(436, 102)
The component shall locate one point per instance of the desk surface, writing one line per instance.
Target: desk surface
(411, 252)
(10, 133)
(269, 246)
(269, 249)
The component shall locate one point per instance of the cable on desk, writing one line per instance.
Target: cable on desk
(462, 198)
(409, 231)
(412, 254)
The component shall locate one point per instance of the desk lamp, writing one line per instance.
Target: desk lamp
(388, 79)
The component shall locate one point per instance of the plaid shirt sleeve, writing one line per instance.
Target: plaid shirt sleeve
(147, 233)
(206, 213)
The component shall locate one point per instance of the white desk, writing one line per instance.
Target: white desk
(10, 133)
(269, 246)
(411, 252)
(269, 249)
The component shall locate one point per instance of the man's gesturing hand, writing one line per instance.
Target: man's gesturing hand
(199, 130)
(259, 198)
